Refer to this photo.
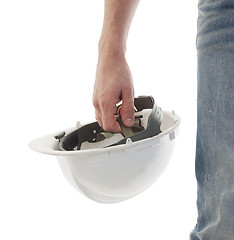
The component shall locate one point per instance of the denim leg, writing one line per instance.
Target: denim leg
(215, 121)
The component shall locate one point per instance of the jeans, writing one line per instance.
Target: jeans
(215, 121)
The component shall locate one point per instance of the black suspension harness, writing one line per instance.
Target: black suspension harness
(94, 133)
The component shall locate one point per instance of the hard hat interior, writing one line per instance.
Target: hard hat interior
(148, 118)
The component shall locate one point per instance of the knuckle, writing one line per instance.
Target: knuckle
(100, 123)
(128, 89)
(95, 103)
(108, 126)
(102, 102)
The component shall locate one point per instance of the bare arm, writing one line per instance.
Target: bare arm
(113, 76)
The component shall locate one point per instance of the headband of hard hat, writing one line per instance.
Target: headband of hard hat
(90, 131)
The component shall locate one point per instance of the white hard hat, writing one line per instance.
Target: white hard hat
(112, 167)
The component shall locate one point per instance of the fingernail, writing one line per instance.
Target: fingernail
(129, 121)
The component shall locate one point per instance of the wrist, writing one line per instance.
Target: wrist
(111, 45)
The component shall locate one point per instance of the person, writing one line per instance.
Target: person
(214, 163)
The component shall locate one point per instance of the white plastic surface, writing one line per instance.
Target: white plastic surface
(116, 173)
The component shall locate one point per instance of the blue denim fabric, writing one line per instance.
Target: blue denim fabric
(215, 123)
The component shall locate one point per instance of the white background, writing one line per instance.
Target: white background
(48, 56)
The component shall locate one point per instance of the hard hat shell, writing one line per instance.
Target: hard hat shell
(117, 172)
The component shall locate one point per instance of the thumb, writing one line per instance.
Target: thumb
(127, 109)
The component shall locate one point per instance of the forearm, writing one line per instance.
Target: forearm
(118, 15)
(113, 76)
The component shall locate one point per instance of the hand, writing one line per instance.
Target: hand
(113, 83)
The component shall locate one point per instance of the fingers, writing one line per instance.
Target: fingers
(105, 111)
(98, 118)
(127, 109)
(109, 119)
(105, 115)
